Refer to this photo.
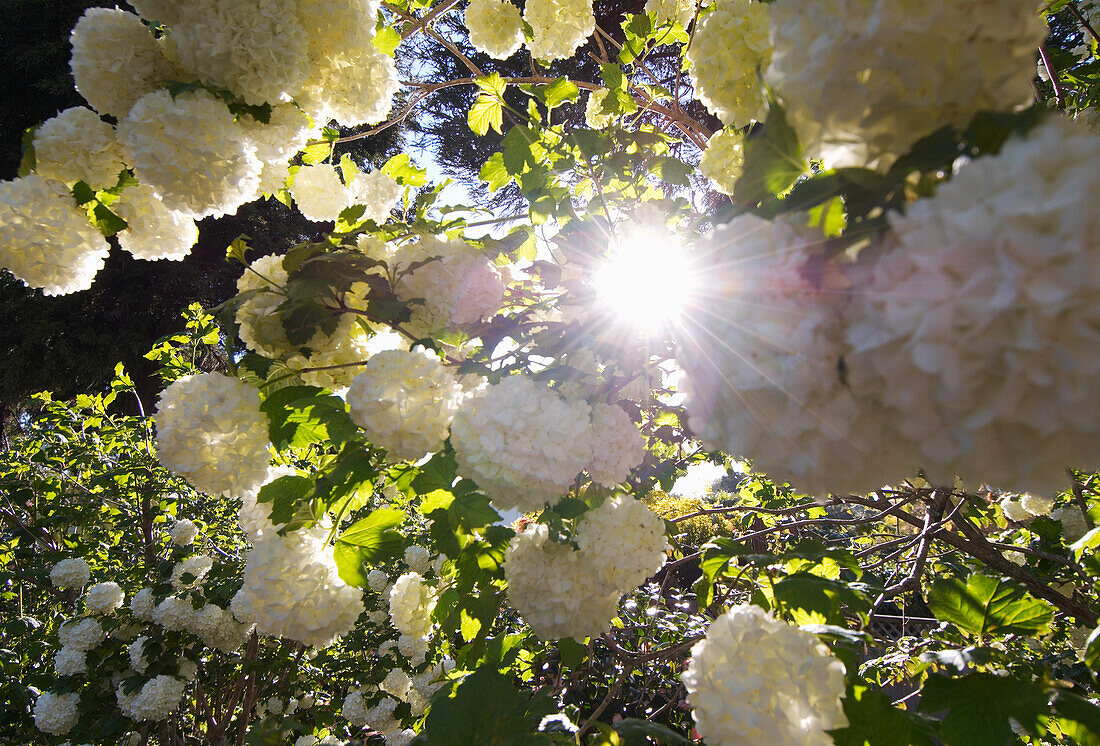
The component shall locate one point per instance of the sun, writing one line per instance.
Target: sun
(647, 280)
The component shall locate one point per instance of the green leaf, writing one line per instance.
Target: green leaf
(874, 721)
(348, 169)
(485, 113)
(349, 564)
(375, 536)
(819, 599)
(237, 250)
(979, 707)
(438, 473)
(560, 91)
(1078, 718)
(471, 511)
(517, 149)
(28, 162)
(402, 170)
(287, 495)
(773, 160)
(486, 709)
(82, 193)
(635, 732)
(386, 40)
(494, 173)
(107, 221)
(1092, 650)
(316, 153)
(469, 626)
(350, 476)
(984, 605)
(572, 652)
(301, 415)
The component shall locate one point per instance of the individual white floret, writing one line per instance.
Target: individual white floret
(103, 598)
(293, 589)
(45, 239)
(522, 443)
(405, 401)
(183, 532)
(116, 60)
(755, 679)
(620, 449)
(730, 46)
(862, 81)
(56, 714)
(192, 151)
(155, 230)
(82, 634)
(76, 145)
(559, 27)
(495, 27)
(70, 573)
(724, 159)
(211, 431)
(70, 662)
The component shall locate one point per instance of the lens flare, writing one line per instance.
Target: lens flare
(646, 280)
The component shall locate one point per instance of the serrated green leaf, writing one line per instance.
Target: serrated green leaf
(874, 721)
(237, 250)
(106, 220)
(984, 605)
(287, 496)
(560, 91)
(374, 535)
(386, 40)
(1078, 718)
(315, 153)
(349, 564)
(82, 193)
(517, 149)
(485, 708)
(979, 707)
(301, 415)
(402, 170)
(484, 114)
(494, 173)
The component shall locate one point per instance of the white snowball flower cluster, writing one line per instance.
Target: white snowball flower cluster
(103, 598)
(377, 191)
(623, 542)
(183, 532)
(724, 159)
(261, 329)
(82, 634)
(76, 145)
(191, 150)
(1037, 504)
(45, 239)
(70, 662)
(522, 443)
(862, 81)
(398, 683)
(219, 629)
(157, 699)
(378, 581)
(211, 431)
(459, 289)
(155, 230)
(1013, 509)
(976, 332)
(175, 614)
(191, 572)
(669, 11)
(255, 49)
(358, 91)
(593, 110)
(411, 604)
(339, 357)
(761, 375)
(292, 589)
(405, 401)
(730, 46)
(418, 558)
(756, 679)
(70, 573)
(142, 604)
(559, 27)
(495, 27)
(56, 714)
(116, 60)
(554, 589)
(379, 716)
(319, 194)
(1074, 525)
(620, 445)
